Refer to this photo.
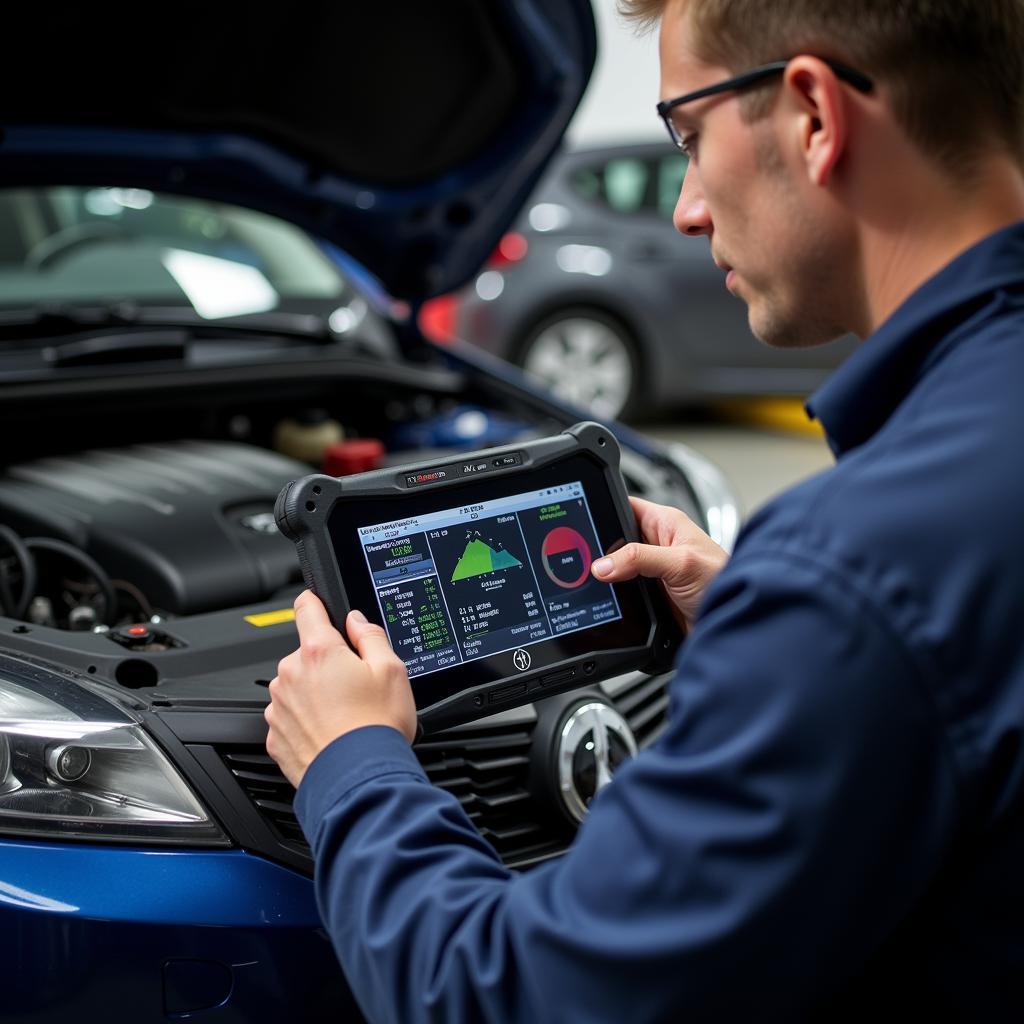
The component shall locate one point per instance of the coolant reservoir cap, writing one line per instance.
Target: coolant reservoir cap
(135, 635)
(356, 456)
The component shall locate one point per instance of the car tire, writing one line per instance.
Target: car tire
(586, 357)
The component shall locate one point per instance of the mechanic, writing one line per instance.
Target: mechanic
(832, 824)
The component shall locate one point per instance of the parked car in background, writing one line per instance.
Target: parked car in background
(594, 293)
(180, 336)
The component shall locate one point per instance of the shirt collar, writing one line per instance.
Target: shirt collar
(863, 393)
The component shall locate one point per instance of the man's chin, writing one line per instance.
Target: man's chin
(769, 329)
(783, 332)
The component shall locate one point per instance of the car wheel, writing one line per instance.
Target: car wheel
(585, 357)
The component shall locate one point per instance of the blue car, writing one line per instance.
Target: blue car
(215, 237)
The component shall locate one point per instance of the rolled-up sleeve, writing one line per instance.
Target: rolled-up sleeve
(799, 801)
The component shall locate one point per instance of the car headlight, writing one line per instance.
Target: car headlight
(73, 765)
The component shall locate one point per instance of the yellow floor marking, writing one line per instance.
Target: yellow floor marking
(272, 618)
(785, 414)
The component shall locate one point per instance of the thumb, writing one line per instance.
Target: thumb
(311, 622)
(369, 640)
(634, 560)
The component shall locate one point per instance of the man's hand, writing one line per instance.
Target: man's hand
(325, 689)
(676, 552)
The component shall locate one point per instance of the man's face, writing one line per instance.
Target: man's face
(754, 206)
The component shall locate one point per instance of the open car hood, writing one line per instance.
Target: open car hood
(407, 134)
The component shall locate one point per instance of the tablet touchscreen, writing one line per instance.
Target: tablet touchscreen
(470, 581)
(491, 579)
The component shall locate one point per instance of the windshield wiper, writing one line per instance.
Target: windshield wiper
(54, 320)
(131, 346)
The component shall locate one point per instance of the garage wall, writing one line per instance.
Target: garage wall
(619, 103)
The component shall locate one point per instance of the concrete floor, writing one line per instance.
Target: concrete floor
(759, 462)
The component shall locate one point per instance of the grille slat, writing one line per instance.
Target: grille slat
(487, 785)
(479, 767)
(276, 807)
(486, 770)
(654, 713)
(503, 836)
(254, 777)
(627, 701)
(503, 800)
(644, 705)
(250, 759)
(472, 741)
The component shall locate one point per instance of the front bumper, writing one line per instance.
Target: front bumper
(90, 933)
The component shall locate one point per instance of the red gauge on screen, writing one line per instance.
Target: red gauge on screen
(566, 557)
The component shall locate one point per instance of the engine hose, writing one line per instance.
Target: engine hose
(29, 575)
(59, 547)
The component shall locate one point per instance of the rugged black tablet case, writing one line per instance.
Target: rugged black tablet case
(304, 508)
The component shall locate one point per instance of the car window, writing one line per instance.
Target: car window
(671, 170)
(620, 184)
(625, 182)
(81, 245)
(631, 185)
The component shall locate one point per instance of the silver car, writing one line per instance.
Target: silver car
(596, 295)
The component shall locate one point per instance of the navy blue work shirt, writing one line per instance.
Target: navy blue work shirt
(831, 825)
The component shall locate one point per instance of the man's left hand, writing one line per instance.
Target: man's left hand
(326, 689)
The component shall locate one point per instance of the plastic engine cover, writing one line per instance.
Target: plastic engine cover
(190, 523)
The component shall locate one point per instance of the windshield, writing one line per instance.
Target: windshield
(74, 246)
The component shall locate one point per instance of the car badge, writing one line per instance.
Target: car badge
(593, 742)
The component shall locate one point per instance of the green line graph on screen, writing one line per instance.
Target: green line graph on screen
(479, 558)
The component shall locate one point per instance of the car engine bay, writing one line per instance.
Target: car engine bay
(172, 525)
(138, 553)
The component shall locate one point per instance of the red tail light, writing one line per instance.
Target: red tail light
(511, 249)
(437, 318)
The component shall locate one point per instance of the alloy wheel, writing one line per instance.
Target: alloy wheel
(585, 361)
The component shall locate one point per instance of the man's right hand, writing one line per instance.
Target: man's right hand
(676, 551)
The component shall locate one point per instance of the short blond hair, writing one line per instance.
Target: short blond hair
(954, 68)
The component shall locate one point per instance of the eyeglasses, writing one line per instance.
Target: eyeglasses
(859, 81)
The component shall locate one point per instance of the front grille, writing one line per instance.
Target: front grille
(644, 704)
(265, 785)
(486, 769)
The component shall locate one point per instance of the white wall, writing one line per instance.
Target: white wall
(618, 105)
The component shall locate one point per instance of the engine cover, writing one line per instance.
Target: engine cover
(190, 523)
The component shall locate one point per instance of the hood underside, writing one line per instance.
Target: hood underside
(407, 134)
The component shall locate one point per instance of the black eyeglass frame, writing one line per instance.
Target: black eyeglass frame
(857, 79)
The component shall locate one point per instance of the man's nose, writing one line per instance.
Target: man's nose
(691, 216)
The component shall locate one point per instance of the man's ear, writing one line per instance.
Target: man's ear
(822, 120)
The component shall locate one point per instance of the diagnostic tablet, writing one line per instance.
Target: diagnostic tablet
(479, 570)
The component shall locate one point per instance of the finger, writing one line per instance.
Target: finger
(369, 640)
(316, 634)
(639, 560)
(644, 509)
(658, 524)
(640, 505)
